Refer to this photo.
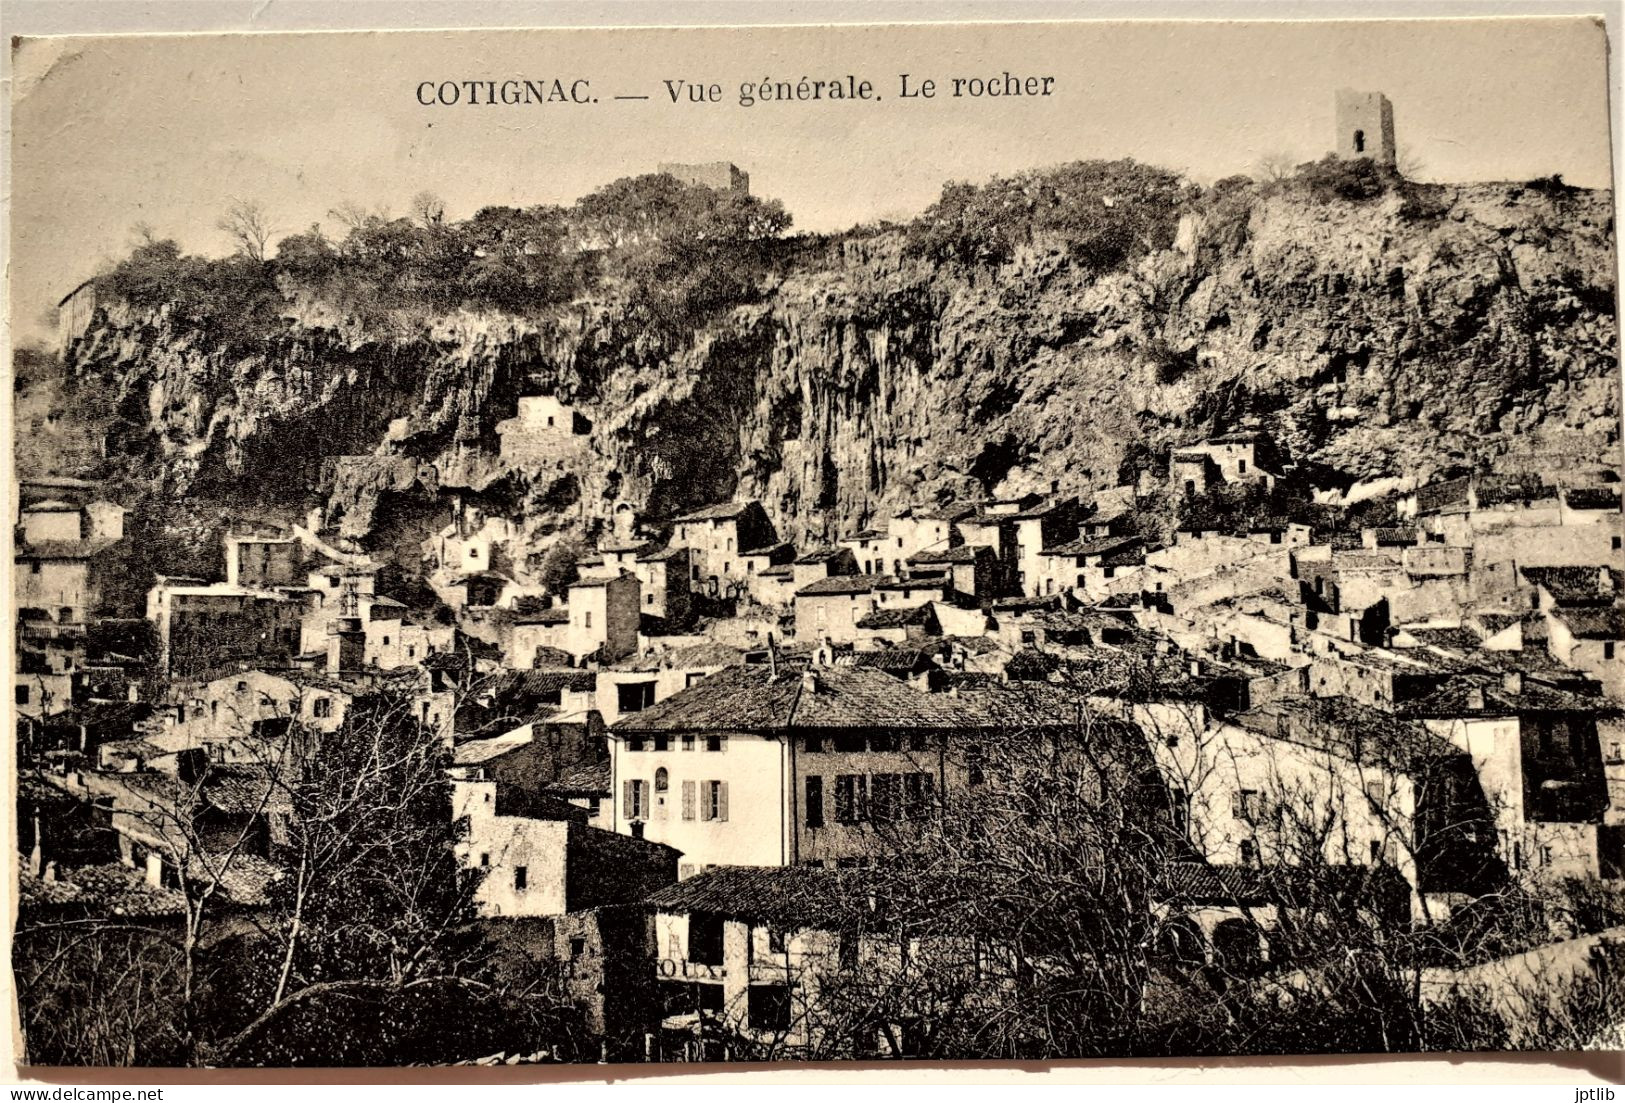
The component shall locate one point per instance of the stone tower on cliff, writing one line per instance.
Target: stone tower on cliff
(1365, 126)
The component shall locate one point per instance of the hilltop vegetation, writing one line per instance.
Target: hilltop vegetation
(1062, 328)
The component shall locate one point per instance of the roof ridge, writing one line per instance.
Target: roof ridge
(795, 702)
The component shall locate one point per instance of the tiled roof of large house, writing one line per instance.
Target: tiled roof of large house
(723, 511)
(659, 555)
(843, 584)
(1100, 546)
(897, 618)
(778, 548)
(893, 660)
(557, 615)
(1196, 882)
(1443, 495)
(590, 779)
(796, 896)
(964, 553)
(1607, 623)
(819, 555)
(751, 698)
(1348, 729)
(541, 682)
(110, 890)
(1494, 490)
(1484, 696)
(1575, 585)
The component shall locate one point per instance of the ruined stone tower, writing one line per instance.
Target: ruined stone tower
(1365, 126)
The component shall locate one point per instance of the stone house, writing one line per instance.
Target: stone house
(716, 536)
(831, 608)
(604, 616)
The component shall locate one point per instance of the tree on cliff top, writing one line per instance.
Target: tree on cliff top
(1103, 213)
(249, 227)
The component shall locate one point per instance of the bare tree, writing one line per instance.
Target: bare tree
(1273, 166)
(249, 227)
(428, 208)
(1409, 162)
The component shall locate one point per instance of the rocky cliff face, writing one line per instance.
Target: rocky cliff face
(1377, 338)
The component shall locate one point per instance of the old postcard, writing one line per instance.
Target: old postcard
(933, 542)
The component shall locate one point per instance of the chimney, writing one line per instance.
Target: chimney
(809, 682)
(637, 829)
(1512, 681)
(1475, 699)
(1196, 668)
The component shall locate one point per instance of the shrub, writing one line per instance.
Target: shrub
(1334, 178)
(1104, 213)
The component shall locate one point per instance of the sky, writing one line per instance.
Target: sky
(168, 130)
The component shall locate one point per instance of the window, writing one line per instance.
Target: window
(1241, 467)
(22, 695)
(485, 860)
(1613, 752)
(814, 803)
(662, 780)
(578, 947)
(1374, 792)
(768, 1007)
(587, 619)
(886, 799)
(635, 799)
(1275, 537)
(1028, 637)
(648, 599)
(849, 949)
(815, 744)
(1615, 543)
(974, 761)
(849, 743)
(634, 742)
(704, 938)
(1249, 852)
(1179, 810)
(716, 742)
(1359, 141)
(688, 800)
(411, 652)
(688, 742)
(521, 878)
(662, 742)
(917, 741)
(635, 697)
(775, 940)
(473, 553)
(714, 801)
(322, 708)
(34, 567)
(851, 796)
(918, 792)
(386, 641)
(1608, 649)
(885, 741)
(1244, 805)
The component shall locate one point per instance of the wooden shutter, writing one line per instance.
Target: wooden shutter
(722, 801)
(688, 800)
(705, 800)
(626, 798)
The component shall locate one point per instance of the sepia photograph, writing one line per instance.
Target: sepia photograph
(998, 542)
